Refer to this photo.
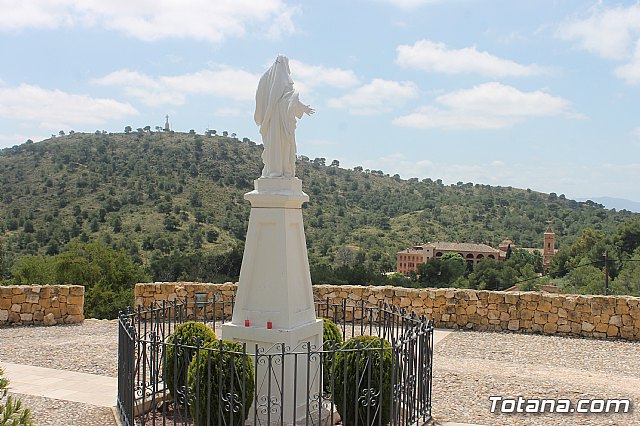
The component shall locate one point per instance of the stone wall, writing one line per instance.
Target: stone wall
(525, 312)
(42, 305)
(145, 294)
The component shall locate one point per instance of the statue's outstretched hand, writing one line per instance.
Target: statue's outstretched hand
(308, 110)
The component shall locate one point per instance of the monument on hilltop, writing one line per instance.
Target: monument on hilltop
(274, 307)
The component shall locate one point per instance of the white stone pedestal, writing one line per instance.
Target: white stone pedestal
(275, 287)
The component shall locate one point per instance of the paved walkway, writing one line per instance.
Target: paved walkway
(60, 384)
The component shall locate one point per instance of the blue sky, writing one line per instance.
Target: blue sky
(531, 94)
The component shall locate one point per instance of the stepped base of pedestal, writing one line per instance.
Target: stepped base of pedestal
(326, 417)
(282, 379)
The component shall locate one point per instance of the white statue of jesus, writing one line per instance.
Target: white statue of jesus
(277, 107)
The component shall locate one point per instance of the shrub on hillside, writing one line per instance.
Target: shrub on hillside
(222, 375)
(363, 374)
(332, 339)
(179, 356)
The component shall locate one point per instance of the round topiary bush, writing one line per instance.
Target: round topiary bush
(331, 338)
(330, 331)
(222, 376)
(178, 356)
(362, 392)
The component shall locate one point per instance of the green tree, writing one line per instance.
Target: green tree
(108, 275)
(585, 278)
(527, 264)
(491, 274)
(33, 270)
(628, 281)
(116, 223)
(591, 244)
(171, 222)
(212, 235)
(443, 271)
(629, 236)
(488, 275)
(28, 227)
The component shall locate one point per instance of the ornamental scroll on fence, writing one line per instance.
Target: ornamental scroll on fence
(396, 391)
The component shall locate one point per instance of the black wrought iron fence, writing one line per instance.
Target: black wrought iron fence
(381, 375)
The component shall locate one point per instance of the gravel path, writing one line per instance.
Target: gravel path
(471, 366)
(88, 348)
(91, 347)
(468, 368)
(55, 412)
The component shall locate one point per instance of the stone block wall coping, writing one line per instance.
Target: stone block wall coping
(41, 304)
(522, 311)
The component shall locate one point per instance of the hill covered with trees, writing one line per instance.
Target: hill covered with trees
(173, 202)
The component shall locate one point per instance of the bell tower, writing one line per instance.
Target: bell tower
(548, 249)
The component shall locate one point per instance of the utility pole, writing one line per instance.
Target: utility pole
(1, 261)
(606, 273)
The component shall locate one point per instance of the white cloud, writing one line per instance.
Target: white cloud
(430, 117)
(319, 142)
(503, 100)
(213, 21)
(17, 139)
(231, 112)
(486, 106)
(608, 32)
(630, 72)
(55, 109)
(317, 75)
(399, 163)
(437, 57)
(377, 97)
(224, 82)
(409, 4)
(566, 177)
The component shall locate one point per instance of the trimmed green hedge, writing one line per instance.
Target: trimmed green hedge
(332, 339)
(362, 391)
(330, 331)
(221, 375)
(178, 357)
